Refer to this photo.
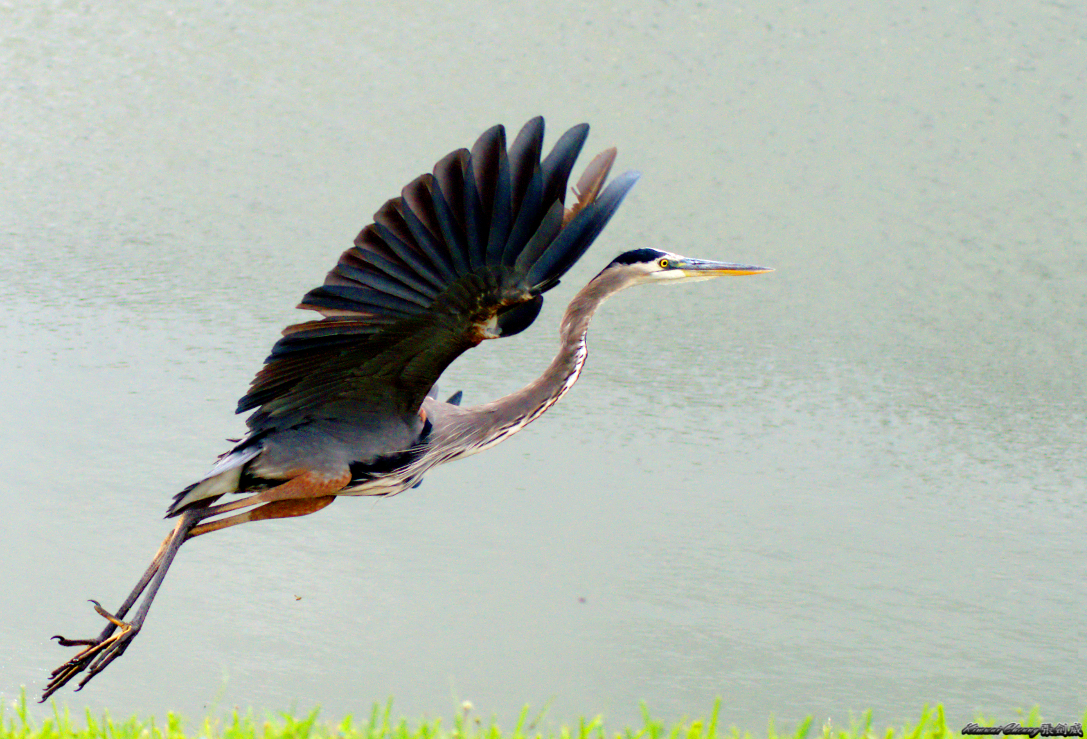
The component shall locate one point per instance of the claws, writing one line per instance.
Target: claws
(74, 642)
(107, 615)
(95, 656)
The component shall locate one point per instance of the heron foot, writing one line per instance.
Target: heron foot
(97, 653)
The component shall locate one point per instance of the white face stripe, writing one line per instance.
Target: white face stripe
(652, 271)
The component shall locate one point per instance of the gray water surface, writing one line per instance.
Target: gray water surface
(857, 482)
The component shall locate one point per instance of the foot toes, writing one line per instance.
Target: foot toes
(74, 642)
(106, 614)
(96, 653)
(102, 660)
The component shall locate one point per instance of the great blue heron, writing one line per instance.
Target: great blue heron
(345, 404)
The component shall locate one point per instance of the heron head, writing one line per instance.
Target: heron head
(652, 265)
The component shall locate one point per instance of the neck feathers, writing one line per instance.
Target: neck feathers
(529, 403)
(504, 417)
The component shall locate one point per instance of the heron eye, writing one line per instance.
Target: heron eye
(664, 263)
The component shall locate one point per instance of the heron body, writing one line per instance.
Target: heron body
(346, 404)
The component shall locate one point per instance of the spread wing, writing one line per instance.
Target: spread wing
(464, 254)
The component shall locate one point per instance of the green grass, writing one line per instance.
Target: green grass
(15, 723)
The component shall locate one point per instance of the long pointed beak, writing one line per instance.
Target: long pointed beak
(707, 268)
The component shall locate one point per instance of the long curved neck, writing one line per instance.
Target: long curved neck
(565, 368)
(506, 416)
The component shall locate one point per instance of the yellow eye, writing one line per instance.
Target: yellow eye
(663, 263)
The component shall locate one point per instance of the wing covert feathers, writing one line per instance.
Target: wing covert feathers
(486, 232)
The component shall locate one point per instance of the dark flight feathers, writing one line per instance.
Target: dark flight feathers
(479, 239)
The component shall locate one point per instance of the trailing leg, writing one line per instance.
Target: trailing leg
(305, 493)
(109, 645)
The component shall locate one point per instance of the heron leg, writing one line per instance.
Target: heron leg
(302, 494)
(276, 509)
(129, 601)
(297, 497)
(108, 646)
